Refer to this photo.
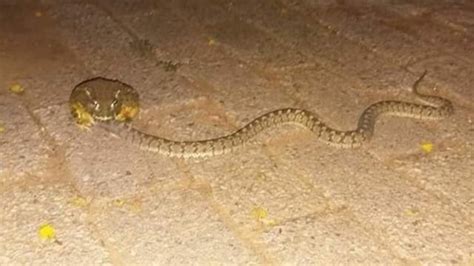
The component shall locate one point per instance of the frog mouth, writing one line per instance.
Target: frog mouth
(103, 117)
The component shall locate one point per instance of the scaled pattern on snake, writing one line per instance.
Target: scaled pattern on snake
(115, 103)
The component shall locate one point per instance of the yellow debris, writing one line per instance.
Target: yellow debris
(47, 232)
(16, 88)
(38, 14)
(2, 128)
(118, 202)
(212, 42)
(427, 147)
(259, 213)
(411, 212)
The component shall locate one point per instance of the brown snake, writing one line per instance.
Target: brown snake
(114, 102)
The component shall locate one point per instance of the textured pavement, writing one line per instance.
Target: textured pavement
(204, 69)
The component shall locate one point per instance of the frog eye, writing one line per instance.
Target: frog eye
(114, 104)
(96, 105)
(117, 94)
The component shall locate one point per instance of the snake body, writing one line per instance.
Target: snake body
(114, 102)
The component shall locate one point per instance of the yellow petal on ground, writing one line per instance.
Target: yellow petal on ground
(427, 147)
(411, 212)
(47, 232)
(259, 213)
(16, 88)
(211, 42)
(2, 128)
(118, 202)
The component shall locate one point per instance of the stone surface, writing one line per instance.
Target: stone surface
(204, 69)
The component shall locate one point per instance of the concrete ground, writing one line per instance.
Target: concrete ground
(205, 68)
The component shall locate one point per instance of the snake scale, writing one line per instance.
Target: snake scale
(115, 103)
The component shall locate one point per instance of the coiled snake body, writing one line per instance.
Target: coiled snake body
(115, 103)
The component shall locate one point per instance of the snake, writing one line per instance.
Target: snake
(114, 104)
